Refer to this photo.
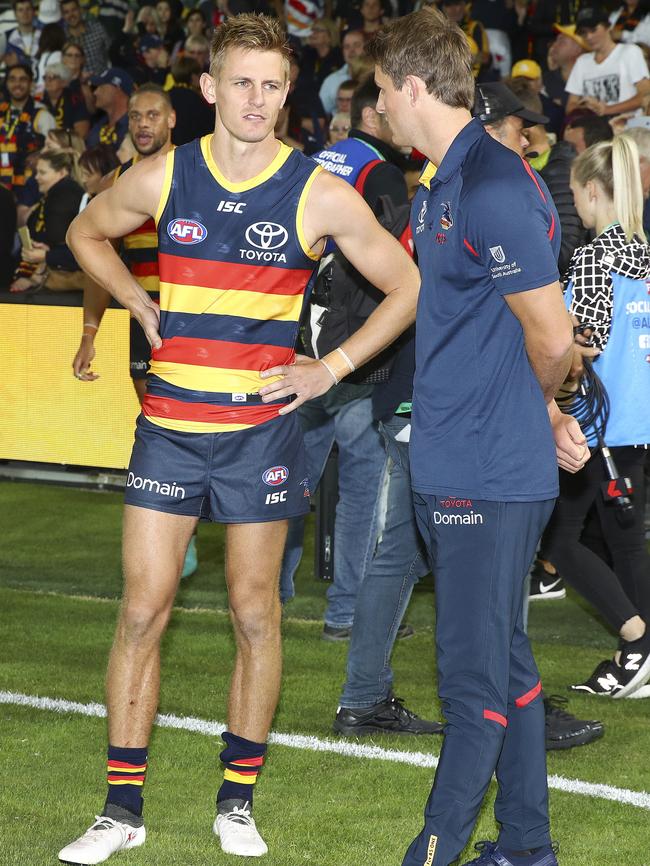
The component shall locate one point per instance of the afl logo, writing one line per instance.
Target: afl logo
(275, 476)
(187, 231)
(267, 236)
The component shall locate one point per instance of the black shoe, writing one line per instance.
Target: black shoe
(603, 681)
(388, 717)
(335, 634)
(634, 670)
(564, 731)
(544, 585)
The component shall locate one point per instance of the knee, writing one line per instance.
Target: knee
(142, 622)
(256, 619)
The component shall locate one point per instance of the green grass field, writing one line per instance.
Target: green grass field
(59, 584)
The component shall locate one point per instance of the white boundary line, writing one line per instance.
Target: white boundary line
(640, 799)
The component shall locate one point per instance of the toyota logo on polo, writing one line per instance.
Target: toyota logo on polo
(267, 236)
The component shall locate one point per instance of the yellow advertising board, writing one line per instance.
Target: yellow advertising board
(49, 416)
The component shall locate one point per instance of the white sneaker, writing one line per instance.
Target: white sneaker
(104, 838)
(238, 834)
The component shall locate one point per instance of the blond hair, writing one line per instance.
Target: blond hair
(250, 32)
(429, 46)
(615, 166)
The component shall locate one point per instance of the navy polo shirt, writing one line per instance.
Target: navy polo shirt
(484, 227)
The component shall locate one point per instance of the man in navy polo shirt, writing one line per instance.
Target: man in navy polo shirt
(493, 343)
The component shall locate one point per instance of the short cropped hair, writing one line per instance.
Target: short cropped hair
(429, 46)
(594, 128)
(151, 87)
(366, 95)
(252, 33)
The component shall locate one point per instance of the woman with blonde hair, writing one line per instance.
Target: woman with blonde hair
(607, 293)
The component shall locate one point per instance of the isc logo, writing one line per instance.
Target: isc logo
(187, 231)
(275, 476)
(275, 497)
(231, 206)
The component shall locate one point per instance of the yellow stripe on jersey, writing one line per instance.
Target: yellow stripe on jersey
(220, 379)
(229, 302)
(167, 185)
(196, 426)
(149, 284)
(278, 161)
(300, 213)
(143, 241)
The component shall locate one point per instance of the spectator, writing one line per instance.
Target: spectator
(604, 279)
(94, 164)
(352, 45)
(562, 55)
(23, 128)
(113, 89)
(198, 48)
(537, 22)
(498, 18)
(196, 24)
(50, 264)
(170, 31)
(612, 78)
(631, 22)
(155, 57)
(344, 95)
(112, 15)
(8, 221)
(529, 72)
(87, 32)
(50, 49)
(300, 16)
(301, 123)
(321, 56)
(587, 129)
(22, 43)
(65, 104)
(457, 11)
(194, 117)
(148, 21)
(372, 17)
(338, 128)
(504, 116)
(75, 59)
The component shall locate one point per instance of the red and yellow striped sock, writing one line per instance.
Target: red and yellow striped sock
(125, 773)
(243, 759)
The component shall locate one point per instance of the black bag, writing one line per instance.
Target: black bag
(342, 299)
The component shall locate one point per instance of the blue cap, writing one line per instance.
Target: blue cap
(115, 76)
(150, 41)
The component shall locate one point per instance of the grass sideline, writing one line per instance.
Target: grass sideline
(315, 808)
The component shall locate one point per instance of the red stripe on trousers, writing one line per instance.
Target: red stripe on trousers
(164, 407)
(495, 717)
(226, 275)
(524, 700)
(222, 354)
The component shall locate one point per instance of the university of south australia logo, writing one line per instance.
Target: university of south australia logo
(498, 254)
(267, 236)
(186, 231)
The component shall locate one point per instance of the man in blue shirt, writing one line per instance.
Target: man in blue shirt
(493, 344)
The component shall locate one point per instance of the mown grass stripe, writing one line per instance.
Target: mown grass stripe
(639, 799)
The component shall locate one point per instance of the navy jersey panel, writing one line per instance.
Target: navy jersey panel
(485, 228)
(247, 476)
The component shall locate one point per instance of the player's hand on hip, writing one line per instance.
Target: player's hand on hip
(570, 443)
(305, 379)
(83, 359)
(149, 317)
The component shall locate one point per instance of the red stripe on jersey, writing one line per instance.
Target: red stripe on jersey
(470, 247)
(524, 700)
(222, 354)
(225, 275)
(495, 717)
(148, 228)
(144, 269)
(239, 413)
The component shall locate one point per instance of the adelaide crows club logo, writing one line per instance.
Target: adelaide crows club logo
(446, 220)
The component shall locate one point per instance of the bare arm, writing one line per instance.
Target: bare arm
(112, 214)
(548, 333)
(335, 209)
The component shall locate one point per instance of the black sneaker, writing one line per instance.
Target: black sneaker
(634, 670)
(563, 730)
(544, 585)
(332, 633)
(603, 681)
(388, 717)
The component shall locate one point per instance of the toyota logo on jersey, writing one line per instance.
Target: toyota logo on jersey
(275, 475)
(185, 231)
(267, 236)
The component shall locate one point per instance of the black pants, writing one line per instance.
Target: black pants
(623, 592)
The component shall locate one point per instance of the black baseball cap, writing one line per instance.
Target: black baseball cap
(590, 17)
(494, 101)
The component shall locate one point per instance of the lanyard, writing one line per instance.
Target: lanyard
(11, 129)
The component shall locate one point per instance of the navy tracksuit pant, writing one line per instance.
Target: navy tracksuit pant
(488, 682)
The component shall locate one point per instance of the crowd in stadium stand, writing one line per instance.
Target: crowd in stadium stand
(68, 71)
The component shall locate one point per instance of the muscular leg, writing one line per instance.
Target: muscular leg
(154, 545)
(253, 556)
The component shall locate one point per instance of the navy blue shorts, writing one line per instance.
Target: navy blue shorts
(245, 476)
